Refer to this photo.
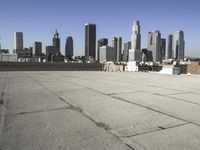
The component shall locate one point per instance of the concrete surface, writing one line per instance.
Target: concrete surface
(99, 110)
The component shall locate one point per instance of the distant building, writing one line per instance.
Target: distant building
(176, 46)
(136, 36)
(169, 47)
(56, 41)
(193, 67)
(90, 41)
(8, 57)
(119, 49)
(111, 67)
(50, 51)
(148, 55)
(18, 41)
(53, 55)
(162, 49)
(127, 46)
(37, 49)
(135, 51)
(101, 42)
(117, 44)
(57, 58)
(153, 44)
(69, 49)
(107, 53)
(24, 53)
(114, 44)
(4, 51)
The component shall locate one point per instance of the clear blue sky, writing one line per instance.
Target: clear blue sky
(35, 18)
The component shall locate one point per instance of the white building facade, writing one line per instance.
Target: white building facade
(135, 51)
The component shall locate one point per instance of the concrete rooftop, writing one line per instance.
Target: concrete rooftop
(99, 111)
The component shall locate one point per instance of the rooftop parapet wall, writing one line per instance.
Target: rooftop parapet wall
(32, 66)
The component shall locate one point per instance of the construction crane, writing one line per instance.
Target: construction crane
(55, 34)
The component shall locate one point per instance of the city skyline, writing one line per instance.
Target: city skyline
(113, 19)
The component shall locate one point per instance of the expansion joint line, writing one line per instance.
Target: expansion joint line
(160, 129)
(164, 113)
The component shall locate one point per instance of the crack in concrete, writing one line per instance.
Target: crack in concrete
(159, 87)
(162, 128)
(102, 125)
(110, 94)
(156, 130)
(1, 99)
(180, 93)
(86, 114)
(36, 111)
(179, 99)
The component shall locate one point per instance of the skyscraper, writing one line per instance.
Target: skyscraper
(101, 42)
(169, 47)
(117, 44)
(119, 49)
(90, 41)
(18, 41)
(114, 43)
(127, 46)
(136, 36)
(135, 51)
(37, 48)
(178, 45)
(162, 49)
(153, 44)
(69, 50)
(56, 41)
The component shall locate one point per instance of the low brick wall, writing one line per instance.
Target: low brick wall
(32, 66)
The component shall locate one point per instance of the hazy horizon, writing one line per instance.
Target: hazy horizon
(37, 19)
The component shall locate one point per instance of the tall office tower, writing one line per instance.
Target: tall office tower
(153, 44)
(56, 41)
(37, 48)
(178, 45)
(117, 44)
(18, 41)
(114, 43)
(169, 47)
(69, 50)
(127, 46)
(90, 41)
(135, 51)
(101, 42)
(119, 49)
(136, 36)
(162, 49)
